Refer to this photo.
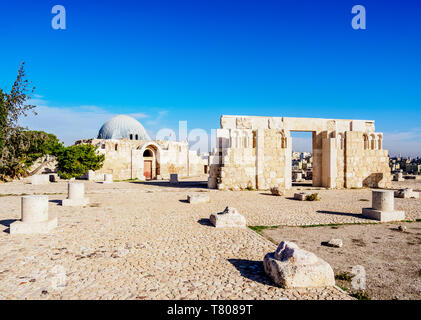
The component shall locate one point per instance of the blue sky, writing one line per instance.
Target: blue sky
(194, 60)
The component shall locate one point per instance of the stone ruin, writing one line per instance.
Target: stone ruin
(34, 216)
(229, 218)
(398, 177)
(108, 178)
(383, 207)
(174, 178)
(407, 193)
(257, 151)
(292, 267)
(198, 198)
(76, 195)
(301, 196)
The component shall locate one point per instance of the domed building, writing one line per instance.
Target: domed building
(123, 127)
(131, 154)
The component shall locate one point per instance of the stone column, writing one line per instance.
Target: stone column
(34, 209)
(173, 178)
(34, 216)
(108, 178)
(39, 179)
(383, 200)
(317, 159)
(383, 207)
(260, 158)
(76, 195)
(329, 161)
(288, 163)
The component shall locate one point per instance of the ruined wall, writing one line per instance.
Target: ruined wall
(276, 155)
(234, 162)
(366, 164)
(346, 153)
(124, 158)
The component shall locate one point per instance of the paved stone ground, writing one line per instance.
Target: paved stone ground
(144, 241)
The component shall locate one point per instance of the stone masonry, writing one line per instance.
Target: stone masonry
(256, 152)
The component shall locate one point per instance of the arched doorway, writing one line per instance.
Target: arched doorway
(150, 161)
(148, 164)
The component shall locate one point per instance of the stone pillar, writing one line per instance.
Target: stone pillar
(76, 195)
(329, 161)
(76, 190)
(34, 216)
(91, 175)
(108, 178)
(39, 179)
(260, 158)
(34, 208)
(288, 162)
(317, 159)
(383, 207)
(174, 178)
(383, 200)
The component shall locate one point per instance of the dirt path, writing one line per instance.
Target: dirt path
(391, 258)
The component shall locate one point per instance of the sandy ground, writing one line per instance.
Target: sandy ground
(143, 241)
(391, 258)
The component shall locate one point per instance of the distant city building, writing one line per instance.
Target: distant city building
(405, 165)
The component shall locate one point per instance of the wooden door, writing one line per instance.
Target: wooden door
(147, 169)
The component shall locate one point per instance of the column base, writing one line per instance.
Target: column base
(383, 216)
(75, 202)
(20, 227)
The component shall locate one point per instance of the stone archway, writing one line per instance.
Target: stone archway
(150, 161)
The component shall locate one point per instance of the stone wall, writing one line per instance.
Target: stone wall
(124, 159)
(256, 151)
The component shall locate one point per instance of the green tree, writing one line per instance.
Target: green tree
(74, 161)
(24, 148)
(12, 106)
(3, 115)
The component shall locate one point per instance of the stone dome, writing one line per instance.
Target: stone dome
(123, 127)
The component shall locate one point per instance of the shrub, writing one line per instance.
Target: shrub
(75, 161)
(360, 295)
(23, 148)
(345, 276)
(313, 197)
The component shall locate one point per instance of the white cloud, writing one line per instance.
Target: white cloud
(158, 118)
(68, 124)
(138, 115)
(407, 143)
(71, 123)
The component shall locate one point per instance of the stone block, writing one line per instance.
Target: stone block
(229, 218)
(276, 191)
(76, 196)
(383, 216)
(34, 216)
(406, 194)
(54, 177)
(40, 179)
(383, 200)
(20, 227)
(108, 178)
(335, 243)
(301, 196)
(174, 178)
(198, 198)
(75, 202)
(292, 267)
